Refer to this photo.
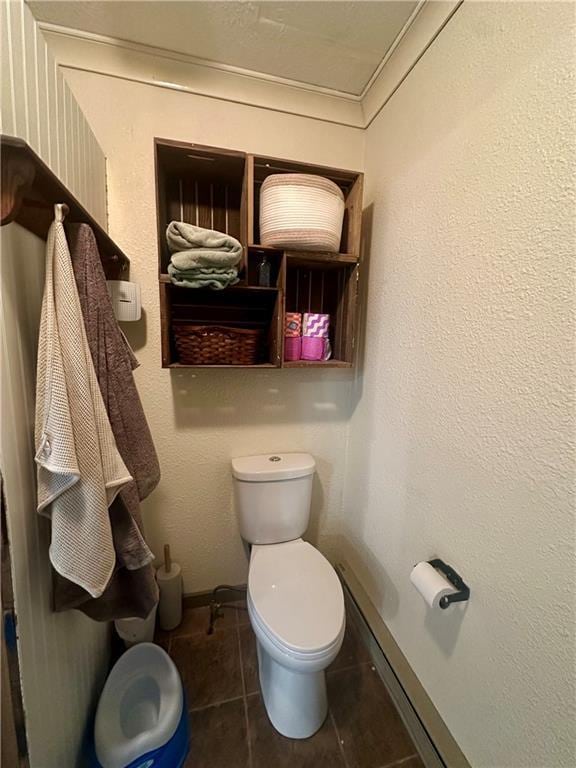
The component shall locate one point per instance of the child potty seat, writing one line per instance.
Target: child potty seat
(141, 720)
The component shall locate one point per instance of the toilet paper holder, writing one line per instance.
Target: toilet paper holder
(463, 592)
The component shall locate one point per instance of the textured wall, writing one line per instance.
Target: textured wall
(63, 657)
(38, 106)
(461, 441)
(200, 419)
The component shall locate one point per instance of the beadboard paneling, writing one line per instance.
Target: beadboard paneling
(38, 106)
(63, 657)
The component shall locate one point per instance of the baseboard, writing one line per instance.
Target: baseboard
(429, 732)
(228, 594)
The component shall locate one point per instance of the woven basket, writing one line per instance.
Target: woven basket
(301, 212)
(217, 345)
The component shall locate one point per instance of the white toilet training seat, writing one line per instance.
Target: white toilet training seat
(296, 600)
(140, 706)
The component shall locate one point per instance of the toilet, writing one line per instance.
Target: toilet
(295, 599)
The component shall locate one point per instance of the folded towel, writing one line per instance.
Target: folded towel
(193, 247)
(203, 257)
(223, 272)
(203, 277)
(80, 470)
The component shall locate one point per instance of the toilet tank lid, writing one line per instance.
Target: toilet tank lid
(273, 466)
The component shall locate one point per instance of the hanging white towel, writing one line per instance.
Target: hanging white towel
(80, 470)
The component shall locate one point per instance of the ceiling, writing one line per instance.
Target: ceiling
(337, 45)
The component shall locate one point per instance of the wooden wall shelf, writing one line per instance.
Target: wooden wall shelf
(29, 191)
(220, 189)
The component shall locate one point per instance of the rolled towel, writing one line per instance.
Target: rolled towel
(193, 247)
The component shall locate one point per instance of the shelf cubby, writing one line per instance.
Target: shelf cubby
(350, 182)
(220, 189)
(201, 186)
(234, 307)
(325, 287)
(254, 259)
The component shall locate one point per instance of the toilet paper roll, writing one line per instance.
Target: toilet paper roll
(312, 348)
(292, 324)
(170, 586)
(316, 325)
(431, 584)
(292, 348)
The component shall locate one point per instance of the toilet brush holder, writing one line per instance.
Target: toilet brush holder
(169, 577)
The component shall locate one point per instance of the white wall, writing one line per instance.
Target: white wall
(200, 419)
(63, 657)
(461, 443)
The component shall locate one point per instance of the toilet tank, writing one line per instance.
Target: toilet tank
(272, 494)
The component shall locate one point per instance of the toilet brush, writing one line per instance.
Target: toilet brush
(169, 578)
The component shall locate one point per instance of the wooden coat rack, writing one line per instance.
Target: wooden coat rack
(28, 192)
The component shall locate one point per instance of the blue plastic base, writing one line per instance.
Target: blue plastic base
(172, 755)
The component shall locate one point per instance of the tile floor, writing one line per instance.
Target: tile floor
(228, 722)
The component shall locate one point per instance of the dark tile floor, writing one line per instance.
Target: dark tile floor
(228, 721)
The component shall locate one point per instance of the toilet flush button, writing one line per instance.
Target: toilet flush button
(275, 458)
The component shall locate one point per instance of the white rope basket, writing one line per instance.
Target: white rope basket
(302, 212)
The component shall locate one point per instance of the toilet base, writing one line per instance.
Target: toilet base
(296, 702)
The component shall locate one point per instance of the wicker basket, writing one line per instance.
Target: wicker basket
(217, 345)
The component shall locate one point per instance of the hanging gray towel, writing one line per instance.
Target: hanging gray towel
(80, 470)
(132, 590)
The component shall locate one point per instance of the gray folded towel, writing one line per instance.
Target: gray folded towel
(203, 277)
(192, 247)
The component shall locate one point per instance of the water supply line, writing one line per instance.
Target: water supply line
(216, 607)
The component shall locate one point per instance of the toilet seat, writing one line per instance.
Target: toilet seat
(296, 599)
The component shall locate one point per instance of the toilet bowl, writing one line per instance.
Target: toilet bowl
(295, 600)
(296, 608)
(141, 720)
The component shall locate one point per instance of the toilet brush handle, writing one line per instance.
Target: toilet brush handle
(167, 558)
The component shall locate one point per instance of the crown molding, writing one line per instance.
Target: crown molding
(397, 42)
(74, 49)
(185, 58)
(159, 68)
(424, 27)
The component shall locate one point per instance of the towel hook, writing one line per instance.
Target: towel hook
(61, 210)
